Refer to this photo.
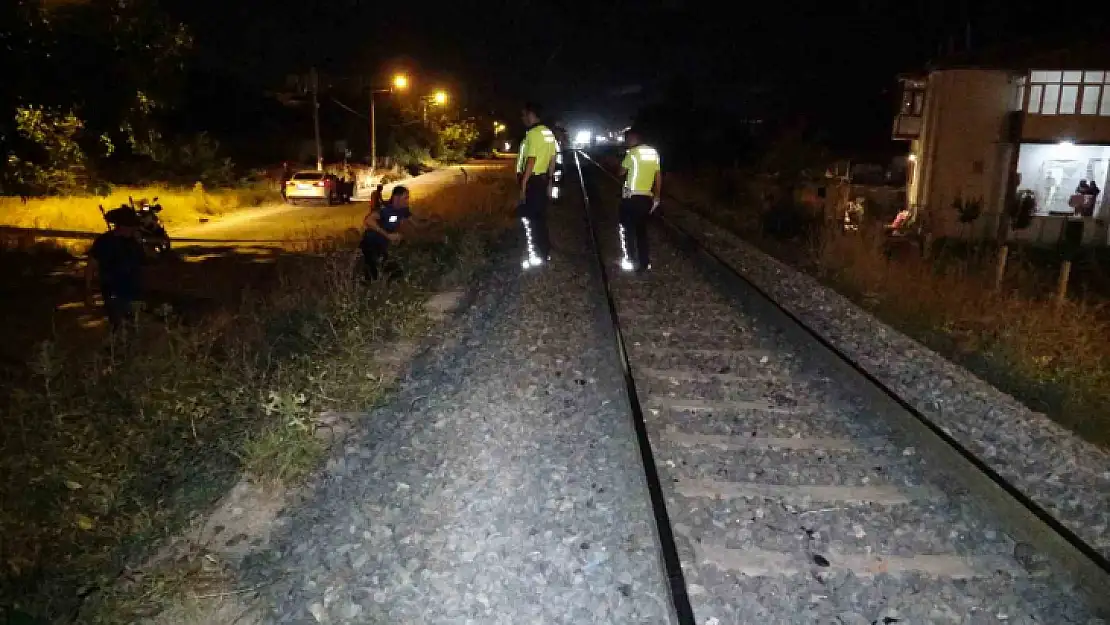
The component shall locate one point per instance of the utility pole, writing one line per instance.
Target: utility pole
(373, 134)
(315, 79)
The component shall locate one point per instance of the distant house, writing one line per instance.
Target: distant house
(987, 130)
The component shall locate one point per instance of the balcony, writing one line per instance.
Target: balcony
(906, 127)
(907, 122)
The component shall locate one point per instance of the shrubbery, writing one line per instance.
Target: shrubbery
(108, 450)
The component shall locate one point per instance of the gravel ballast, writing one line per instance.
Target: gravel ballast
(775, 552)
(790, 499)
(501, 485)
(1067, 476)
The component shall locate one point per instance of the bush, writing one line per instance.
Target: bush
(789, 221)
(454, 141)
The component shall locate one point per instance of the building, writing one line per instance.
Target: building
(986, 132)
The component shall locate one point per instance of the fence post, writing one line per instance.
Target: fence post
(1062, 285)
(927, 246)
(1000, 270)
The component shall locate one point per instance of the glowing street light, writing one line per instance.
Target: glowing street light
(400, 82)
(439, 98)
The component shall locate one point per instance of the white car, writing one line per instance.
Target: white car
(312, 186)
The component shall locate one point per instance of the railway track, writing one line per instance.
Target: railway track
(787, 486)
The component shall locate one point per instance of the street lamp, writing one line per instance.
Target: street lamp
(439, 98)
(400, 83)
(498, 128)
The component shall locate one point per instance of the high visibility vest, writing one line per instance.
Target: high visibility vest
(538, 143)
(641, 164)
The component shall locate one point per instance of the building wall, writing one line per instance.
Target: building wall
(1047, 232)
(962, 151)
(1053, 128)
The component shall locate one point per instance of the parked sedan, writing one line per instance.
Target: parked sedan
(312, 186)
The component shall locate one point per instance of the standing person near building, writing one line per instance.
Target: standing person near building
(382, 228)
(534, 167)
(640, 196)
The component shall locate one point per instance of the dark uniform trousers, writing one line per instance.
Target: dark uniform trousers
(633, 215)
(533, 214)
(375, 253)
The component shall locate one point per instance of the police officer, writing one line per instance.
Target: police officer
(382, 225)
(640, 196)
(534, 167)
(117, 255)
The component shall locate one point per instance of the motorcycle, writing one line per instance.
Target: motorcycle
(152, 233)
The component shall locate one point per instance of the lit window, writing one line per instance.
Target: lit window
(1089, 105)
(1043, 77)
(1105, 110)
(1051, 99)
(1035, 93)
(1018, 94)
(1068, 92)
(913, 102)
(1069, 95)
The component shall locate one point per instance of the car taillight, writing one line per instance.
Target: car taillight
(319, 184)
(290, 183)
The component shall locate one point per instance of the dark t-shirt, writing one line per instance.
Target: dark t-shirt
(390, 218)
(119, 260)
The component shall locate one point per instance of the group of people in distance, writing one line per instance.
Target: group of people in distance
(117, 256)
(640, 194)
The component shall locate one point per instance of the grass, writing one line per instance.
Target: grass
(1053, 357)
(108, 450)
(180, 206)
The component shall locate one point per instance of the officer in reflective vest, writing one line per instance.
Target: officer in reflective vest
(534, 168)
(640, 196)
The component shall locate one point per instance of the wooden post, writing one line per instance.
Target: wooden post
(1062, 285)
(1000, 270)
(315, 78)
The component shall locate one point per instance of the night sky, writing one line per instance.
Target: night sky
(834, 62)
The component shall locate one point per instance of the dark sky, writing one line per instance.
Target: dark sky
(606, 58)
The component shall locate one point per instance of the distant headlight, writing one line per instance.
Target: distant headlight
(554, 193)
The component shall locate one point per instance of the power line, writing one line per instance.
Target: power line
(349, 109)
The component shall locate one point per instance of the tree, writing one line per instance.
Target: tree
(454, 141)
(791, 162)
(101, 72)
(51, 160)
